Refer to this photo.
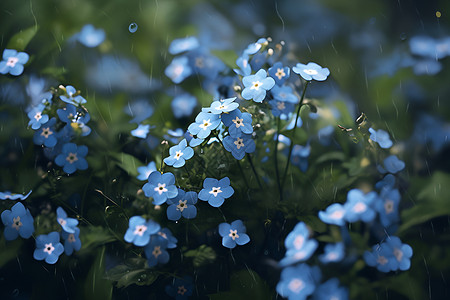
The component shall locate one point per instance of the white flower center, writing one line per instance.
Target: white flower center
(389, 206)
(49, 248)
(215, 190)
(157, 251)
(332, 256)
(72, 157)
(161, 188)
(296, 285)
(181, 205)
(298, 242)
(239, 143)
(398, 254)
(38, 116)
(382, 260)
(256, 85)
(280, 105)
(12, 61)
(71, 238)
(206, 124)
(280, 73)
(359, 207)
(140, 229)
(46, 132)
(233, 234)
(178, 70)
(238, 122)
(310, 71)
(16, 223)
(62, 221)
(182, 290)
(337, 215)
(178, 154)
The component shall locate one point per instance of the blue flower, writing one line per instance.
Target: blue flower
(182, 45)
(298, 245)
(233, 234)
(139, 110)
(182, 205)
(76, 122)
(334, 214)
(381, 137)
(67, 224)
(179, 154)
(324, 135)
(13, 62)
(381, 257)
(296, 283)
(193, 142)
(156, 252)
(223, 106)
(401, 252)
(391, 165)
(427, 67)
(258, 60)
(216, 191)
(46, 135)
(178, 69)
(331, 290)
(240, 145)
(299, 156)
(71, 241)
(139, 231)
(17, 221)
(72, 158)
(388, 182)
(423, 46)
(238, 123)
(167, 235)
(332, 253)
(255, 47)
(13, 196)
(244, 67)
(36, 117)
(181, 288)
(281, 109)
(72, 96)
(183, 105)
(204, 123)
(67, 114)
(359, 206)
(91, 37)
(204, 63)
(145, 171)
(279, 73)
(387, 206)
(48, 247)
(255, 86)
(284, 93)
(141, 131)
(311, 71)
(161, 187)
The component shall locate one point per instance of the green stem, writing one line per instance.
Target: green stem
(162, 157)
(293, 134)
(275, 154)
(254, 170)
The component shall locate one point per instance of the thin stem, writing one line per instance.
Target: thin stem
(162, 156)
(275, 154)
(254, 170)
(293, 134)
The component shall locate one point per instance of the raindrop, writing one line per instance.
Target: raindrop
(133, 27)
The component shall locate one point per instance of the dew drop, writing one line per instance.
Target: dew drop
(133, 27)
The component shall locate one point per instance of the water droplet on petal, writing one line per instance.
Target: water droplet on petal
(133, 27)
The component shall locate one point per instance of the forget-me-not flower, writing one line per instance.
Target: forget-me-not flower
(145, 171)
(17, 221)
(179, 154)
(240, 145)
(279, 73)
(255, 86)
(182, 205)
(284, 93)
(298, 245)
(139, 231)
(37, 118)
(238, 123)
(216, 191)
(13, 196)
(380, 257)
(330, 290)
(381, 137)
(183, 105)
(72, 158)
(13, 62)
(46, 135)
(181, 288)
(359, 206)
(204, 124)
(387, 206)
(72, 241)
(223, 106)
(182, 45)
(141, 131)
(332, 253)
(178, 69)
(67, 224)
(156, 252)
(48, 247)
(233, 234)
(334, 214)
(391, 164)
(90, 36)
(160, 187)
(296, 283)
(311, 71)
(402, 253)
(72, 97)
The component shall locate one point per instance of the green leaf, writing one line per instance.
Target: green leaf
(133, 271)
(20, 40)
(94, 236)
(245, 284)
(201, 256)
(431, 201)
(95, 285)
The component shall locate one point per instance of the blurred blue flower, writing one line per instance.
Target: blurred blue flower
(72, 158)
(388, 182)
(13, 62)
(71, 241)
(253, 48)
(223, 106)
(167, 235)
(324, 135)
(37, 90)
(17, 221)
(72, 97)
(423, 46)
(160, 187)
(37, 118)
(299, 156)
(204, 123)
(238, 123)
(244, 67)
(311, 71)
(427, 67)
(381, 257)
(387, 206)
(91, 37)
(139, 231)
(182, 205)
(334, 214)
(281, 109)
(240, 145)
(296, 283)
(174, 135)
(429, 129)
(145, 171)
(48, 247)
(359, 206)
(255, 86)
(13, 196)
(216, 191)
(233, 234)
(258, 60)
(391, 164)
(284, 93)
(67, 114)
(181, 288)
(139, 110)
(46, 135)
(202, 62)
(178, 69)
(182, 45)
(332, 253)
(402, 253)
(291, 124)
(67, 224)
(279, 73)
(141, 131)
(179, 154)
(298, 245)
(183, 105)
(381, 137)
(331, 290)
(156, 252)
